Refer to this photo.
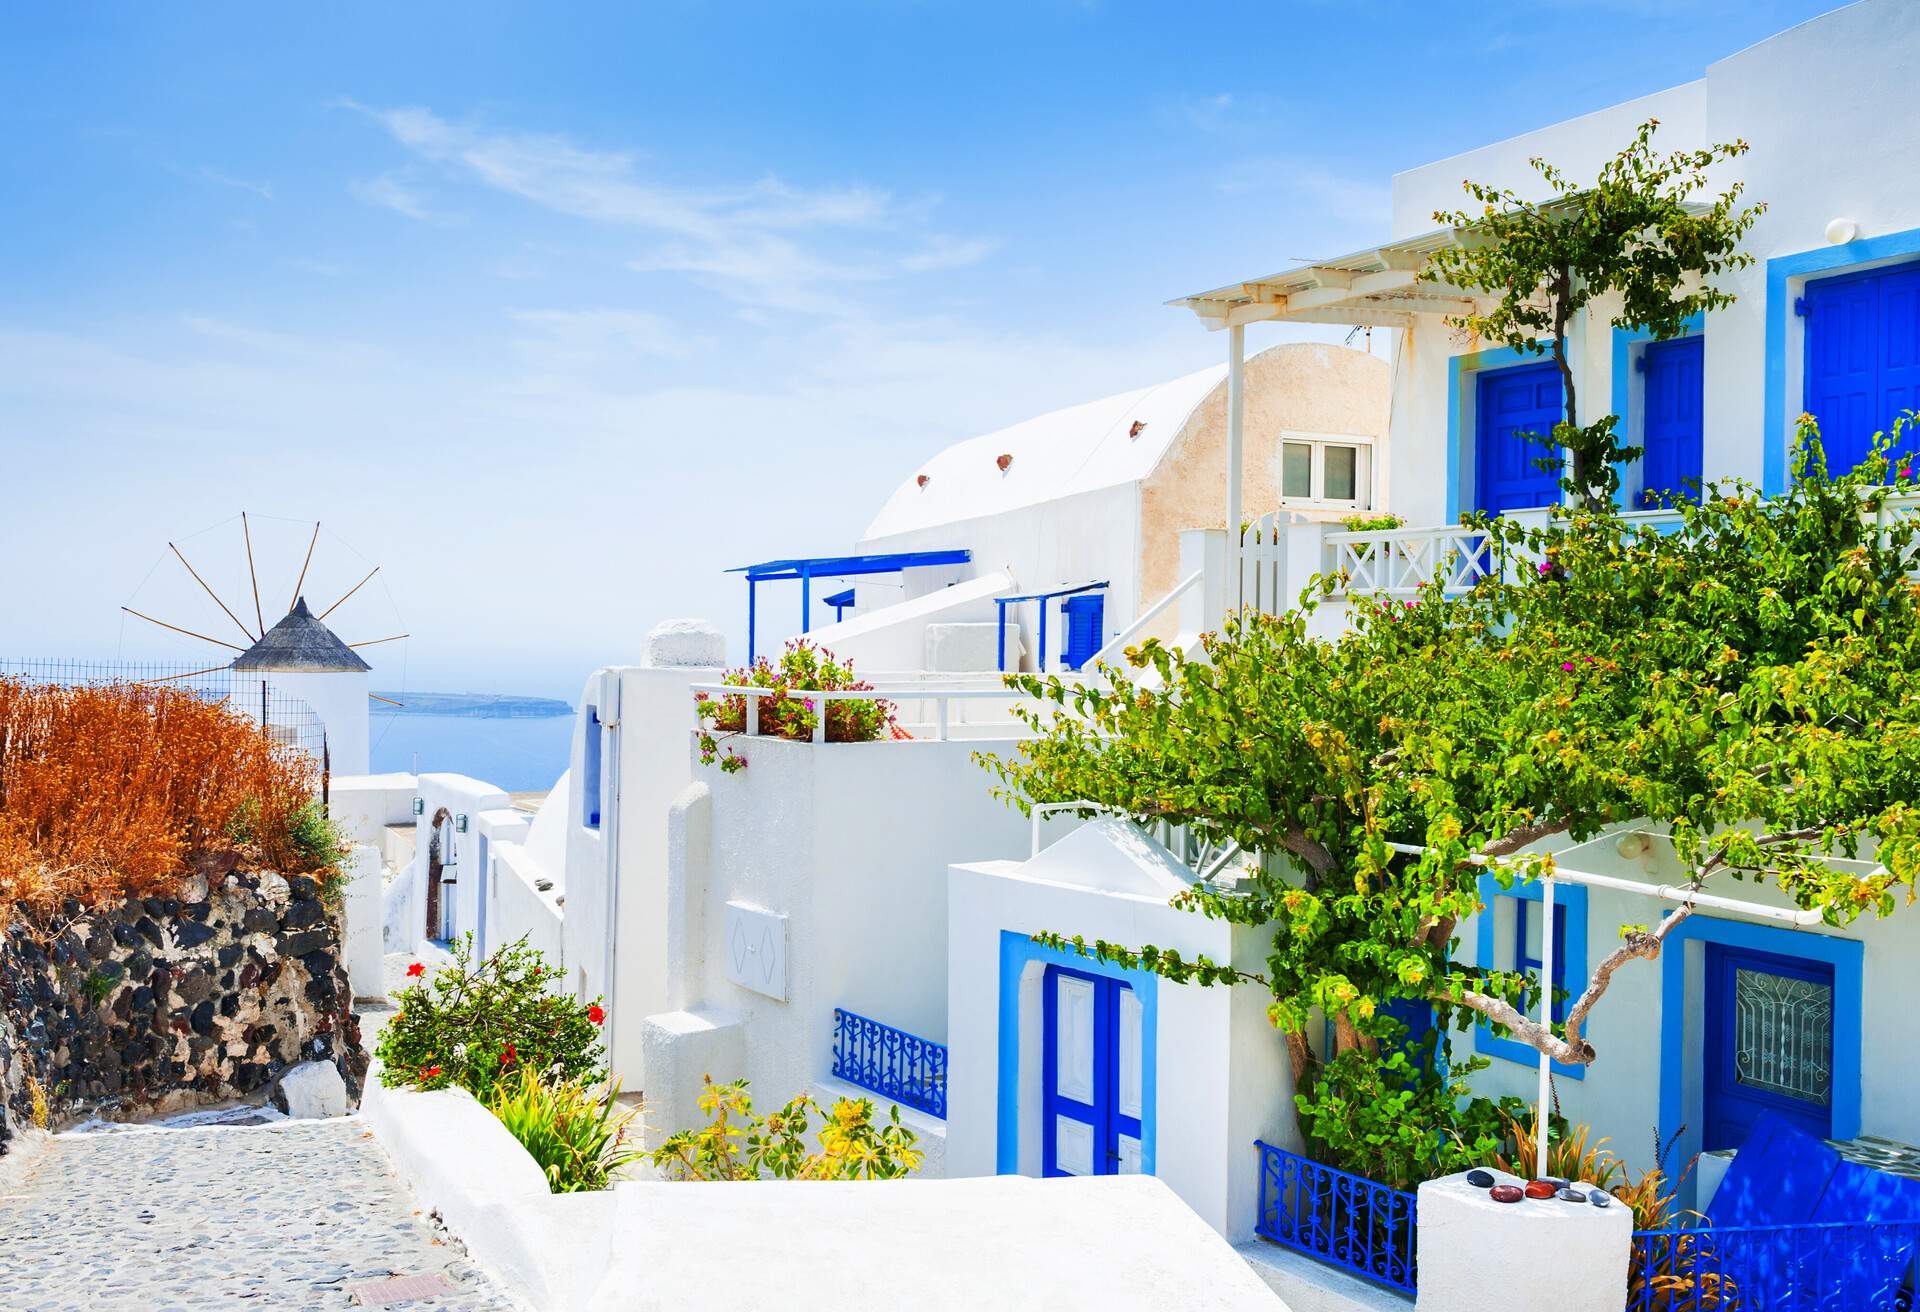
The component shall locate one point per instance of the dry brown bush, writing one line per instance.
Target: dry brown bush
(110, 792)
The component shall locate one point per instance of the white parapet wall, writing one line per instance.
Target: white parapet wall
(1541, 1252)
(364, 805)
(1128, 1245)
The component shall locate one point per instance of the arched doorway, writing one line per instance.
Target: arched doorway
(441, 854)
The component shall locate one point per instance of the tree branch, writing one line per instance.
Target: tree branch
(1523, 836)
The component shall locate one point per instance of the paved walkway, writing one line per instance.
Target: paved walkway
(287, 1215)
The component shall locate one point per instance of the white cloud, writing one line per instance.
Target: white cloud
(388, 192)
(797, 248)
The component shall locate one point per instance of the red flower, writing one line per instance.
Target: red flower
(596, 1013)
(416, 969)
(506, 1058)
(429, 1072)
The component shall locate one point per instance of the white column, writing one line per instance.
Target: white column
(1544, 1097)
(1236, 416)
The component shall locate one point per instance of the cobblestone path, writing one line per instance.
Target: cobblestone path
(287, 1215)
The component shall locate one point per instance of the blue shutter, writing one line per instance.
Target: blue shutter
(1673, 406)
(1511, 403)
(1086, 622)
(1862, 359)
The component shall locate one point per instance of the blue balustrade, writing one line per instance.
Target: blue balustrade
(892, 1063)
(1841, 1266)
(1343, 1219)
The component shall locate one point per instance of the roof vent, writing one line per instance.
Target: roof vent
(920, 481)
(1005, 462)
(1138, 426)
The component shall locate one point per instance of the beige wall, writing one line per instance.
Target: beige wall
(1298, 386)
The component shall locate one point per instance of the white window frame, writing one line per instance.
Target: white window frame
(1363, 477)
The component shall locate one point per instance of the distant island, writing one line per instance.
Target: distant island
(473, 705)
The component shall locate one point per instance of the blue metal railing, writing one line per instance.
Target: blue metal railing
(1344, 1220)
(892, 1063)
(1841, 1266)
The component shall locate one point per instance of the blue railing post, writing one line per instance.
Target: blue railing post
(892, 1063)
(1831, 1266)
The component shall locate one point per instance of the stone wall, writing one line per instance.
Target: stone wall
(162, 1004)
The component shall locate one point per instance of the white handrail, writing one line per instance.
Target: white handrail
(1040, 810)
(1148, 615)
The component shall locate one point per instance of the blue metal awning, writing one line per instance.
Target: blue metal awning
(808, 568)
(1043, 598)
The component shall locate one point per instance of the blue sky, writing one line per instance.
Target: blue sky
(556, 311)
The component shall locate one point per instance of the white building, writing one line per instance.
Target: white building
(1826, 322)
(1071, 520)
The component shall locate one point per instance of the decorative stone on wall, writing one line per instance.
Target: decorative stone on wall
(162, 1004)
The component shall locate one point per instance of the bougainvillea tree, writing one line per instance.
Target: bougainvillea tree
(1645, 232)
(1741, 677)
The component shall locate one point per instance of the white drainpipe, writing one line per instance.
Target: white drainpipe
(610, 839)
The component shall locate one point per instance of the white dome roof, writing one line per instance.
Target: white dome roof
(1055, 455)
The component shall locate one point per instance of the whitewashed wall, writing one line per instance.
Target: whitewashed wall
(1620, 1094)
(1826, 108)
(1221, 1069)
(851, 843)
(364, 805)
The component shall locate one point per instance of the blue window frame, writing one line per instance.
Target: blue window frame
(1862, 364)
(590, 772)
(1521, 951)
(1673, 410)
(1513, 402)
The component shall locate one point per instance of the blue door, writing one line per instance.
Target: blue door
(1769, 1043)
(1862, 359)
(1673, 405)
(1512, 402)
(1090, 1075)
(1086, 625)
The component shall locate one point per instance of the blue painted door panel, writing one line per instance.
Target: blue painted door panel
(1086, 625)
(1512, 402)
(1674, 409)
(1862, 359)
(1769, 1044)
(1090, 1075)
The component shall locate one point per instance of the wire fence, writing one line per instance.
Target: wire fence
(281, 716)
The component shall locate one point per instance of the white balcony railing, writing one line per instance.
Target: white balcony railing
(1279, 559)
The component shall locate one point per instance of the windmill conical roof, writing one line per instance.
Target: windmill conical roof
(300, 643)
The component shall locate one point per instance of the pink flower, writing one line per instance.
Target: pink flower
(1567, 666)
(1546, 567)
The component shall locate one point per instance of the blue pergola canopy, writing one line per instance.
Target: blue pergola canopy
(809, 568)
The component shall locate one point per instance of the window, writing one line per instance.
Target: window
(1326, 470)
(1509, 937)
(1527, 945)
(590, 774)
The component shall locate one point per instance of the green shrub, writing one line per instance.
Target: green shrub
(738, 1145)
(478, 1023)
(577, 1136)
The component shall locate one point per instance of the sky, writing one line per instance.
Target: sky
(554, 312)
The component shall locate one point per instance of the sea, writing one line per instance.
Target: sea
(518, 753)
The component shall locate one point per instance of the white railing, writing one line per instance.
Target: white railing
(942, 698)
(1118, 643)
(1401, 562)
(1263, 564)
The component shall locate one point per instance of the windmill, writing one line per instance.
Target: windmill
(294, 669)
